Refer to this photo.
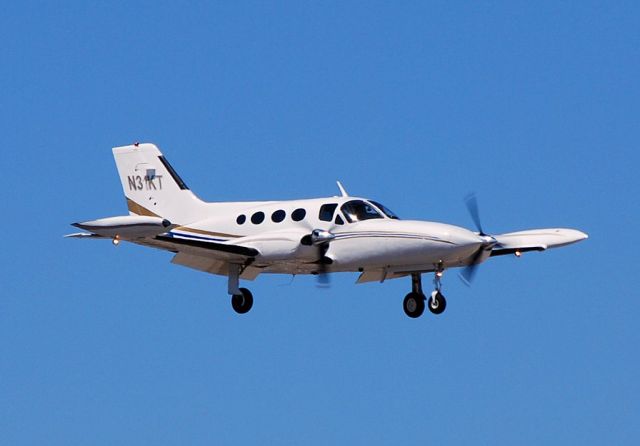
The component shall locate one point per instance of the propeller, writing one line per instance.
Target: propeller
(472, 206)
(323, 278)
(468, 273)
(320, 238)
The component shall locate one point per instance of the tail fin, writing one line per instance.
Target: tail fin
(152, 187)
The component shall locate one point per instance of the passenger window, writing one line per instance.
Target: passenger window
(339, 220)
(278, 216)
(257, 218)
(298, 214)
(241, 219)
(326, 211)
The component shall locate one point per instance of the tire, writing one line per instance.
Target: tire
(413, 305)
(242, 303)
(437, 303)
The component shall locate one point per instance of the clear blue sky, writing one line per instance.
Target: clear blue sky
(533, 105)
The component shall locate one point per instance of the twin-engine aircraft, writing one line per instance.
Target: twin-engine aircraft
(242, 240)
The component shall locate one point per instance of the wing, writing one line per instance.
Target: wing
(535, 240)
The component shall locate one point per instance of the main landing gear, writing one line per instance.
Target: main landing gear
(242, 302)
(414, 302)
(241, 298)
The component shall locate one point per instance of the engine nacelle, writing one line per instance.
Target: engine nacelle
(280, 246)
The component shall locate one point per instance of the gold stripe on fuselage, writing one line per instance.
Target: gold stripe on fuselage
(140, 210)
(203, 232)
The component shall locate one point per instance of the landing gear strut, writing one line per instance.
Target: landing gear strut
(414, 302)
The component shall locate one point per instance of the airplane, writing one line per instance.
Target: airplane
(241, 240)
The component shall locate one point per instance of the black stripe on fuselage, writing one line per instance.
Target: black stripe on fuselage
(214, 246)
(197, 237)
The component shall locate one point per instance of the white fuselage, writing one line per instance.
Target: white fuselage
(376, 243)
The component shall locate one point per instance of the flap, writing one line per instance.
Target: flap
(211, 266)
(376, 275)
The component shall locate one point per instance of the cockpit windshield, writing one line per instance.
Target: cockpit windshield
(385, 210)
(358, 210)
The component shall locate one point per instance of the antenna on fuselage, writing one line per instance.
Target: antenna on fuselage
(342, 191)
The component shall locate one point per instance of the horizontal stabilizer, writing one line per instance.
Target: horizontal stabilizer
(127, 227)
(83, 235)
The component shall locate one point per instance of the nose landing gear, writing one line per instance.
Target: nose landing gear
(437, 303)
(414, 302)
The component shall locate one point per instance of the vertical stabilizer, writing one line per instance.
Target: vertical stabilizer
(152, 187)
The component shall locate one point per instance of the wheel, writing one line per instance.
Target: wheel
(413, 304)
(437, 303)
(242, 303)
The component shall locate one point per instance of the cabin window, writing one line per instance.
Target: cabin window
(358, 210)
(298, 214)
(241, 219)
(278, 216)
(339, 220)
(257, 218)
(327, 211)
